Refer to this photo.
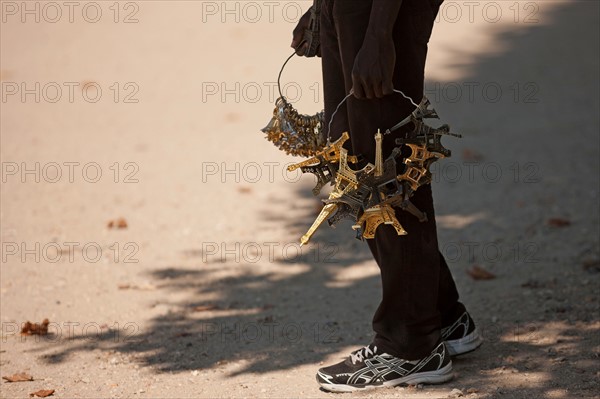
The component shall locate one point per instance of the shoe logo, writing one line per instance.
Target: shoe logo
(462, 321)
(382, 368)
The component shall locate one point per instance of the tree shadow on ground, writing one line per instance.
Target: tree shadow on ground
(274, 316)
(272, 319)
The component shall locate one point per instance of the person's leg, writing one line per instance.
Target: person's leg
(448, 305)
(334, 88)
(415, 279)
(407, 322)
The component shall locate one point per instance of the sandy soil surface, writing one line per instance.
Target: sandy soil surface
(150, 111)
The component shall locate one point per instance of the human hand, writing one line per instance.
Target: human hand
(374, 68)
(298, 41)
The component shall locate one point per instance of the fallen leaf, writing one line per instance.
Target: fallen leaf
(532, 283)
(42, 393)
(86, 83)
(558, 222)
(119, 223)
(204, 308)
(35, 328)
(591, 265)
(19, 377)
(478, 273)
(471, 155)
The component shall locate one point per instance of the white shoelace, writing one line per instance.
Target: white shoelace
(361, 354)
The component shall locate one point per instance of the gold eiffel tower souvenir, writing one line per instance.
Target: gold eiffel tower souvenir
(373, 217)
(331, 154)
(415, 174)
(345, 181)
(378, 154)
(417, 165)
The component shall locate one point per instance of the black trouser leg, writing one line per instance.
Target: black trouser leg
(418, 290)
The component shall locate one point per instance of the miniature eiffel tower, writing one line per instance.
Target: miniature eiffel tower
(417, 165)
(378, 214)
(331, 153)
(375, 216)
(346, 181)
(378, 154)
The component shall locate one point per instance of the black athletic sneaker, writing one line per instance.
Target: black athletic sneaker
(368, 368)
(462, 336)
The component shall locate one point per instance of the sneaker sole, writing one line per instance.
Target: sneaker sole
(465, 344)
(428, 377)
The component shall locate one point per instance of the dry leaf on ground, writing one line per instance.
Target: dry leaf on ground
(559, 222)
(119, 223)
(42, 393)
(591, 265)
(479, 273)
(532, 283)
(35, 328)
(19, 377)
(471, 155)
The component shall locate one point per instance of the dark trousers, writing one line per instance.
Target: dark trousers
(419, 294)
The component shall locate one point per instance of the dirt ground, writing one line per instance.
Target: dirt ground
(150, 111)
